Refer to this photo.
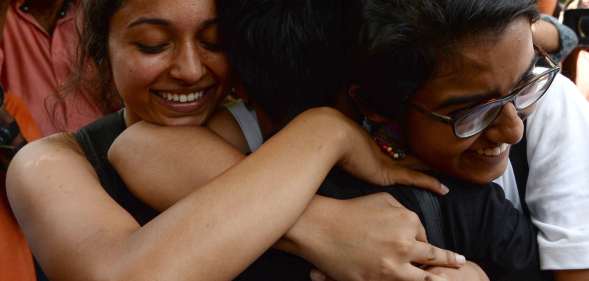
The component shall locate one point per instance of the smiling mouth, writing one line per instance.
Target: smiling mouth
(189, 97)
(493, 152)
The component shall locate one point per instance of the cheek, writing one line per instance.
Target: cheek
(135, 73)
(435, 144)
(217, 64)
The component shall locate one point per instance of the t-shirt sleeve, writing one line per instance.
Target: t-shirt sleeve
(558, 185)
(483, 225)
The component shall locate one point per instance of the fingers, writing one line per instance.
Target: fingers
(421, 234)
(428, 254)
(406, 176)
(418, 274)
(317, 275)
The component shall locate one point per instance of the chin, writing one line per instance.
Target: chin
(482, 176)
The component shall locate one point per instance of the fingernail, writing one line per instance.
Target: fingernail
(317, 276)
(444, 189)
(460, 259)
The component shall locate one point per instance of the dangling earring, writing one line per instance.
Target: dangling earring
(388, 137)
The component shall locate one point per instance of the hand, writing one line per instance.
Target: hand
(369, 238)
(364, 159)
(469, 272)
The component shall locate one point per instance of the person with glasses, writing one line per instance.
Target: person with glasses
(468, 96)
(492, 110)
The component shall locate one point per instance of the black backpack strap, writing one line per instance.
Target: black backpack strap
(431, 216)
(519, 161)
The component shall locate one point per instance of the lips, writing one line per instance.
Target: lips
(493, 151)
(184, 101)
(181, 97)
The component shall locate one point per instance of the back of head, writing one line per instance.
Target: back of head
(289, 55)
(403, 43)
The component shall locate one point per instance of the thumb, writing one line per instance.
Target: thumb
(317, 275)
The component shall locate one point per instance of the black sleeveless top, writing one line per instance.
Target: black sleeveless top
(476, 221)
(95, 139)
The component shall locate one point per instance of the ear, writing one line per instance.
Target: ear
(353, 93)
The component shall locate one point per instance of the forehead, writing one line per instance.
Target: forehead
(182, 13)
(484, 64)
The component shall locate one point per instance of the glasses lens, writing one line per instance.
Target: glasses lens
(476, 120)
(531, 93)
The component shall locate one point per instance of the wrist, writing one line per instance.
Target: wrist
(311, 229)
(337, 130)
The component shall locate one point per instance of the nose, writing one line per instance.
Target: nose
(187, 65)
(507, 128)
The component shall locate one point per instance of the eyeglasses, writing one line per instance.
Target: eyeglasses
(471, 121)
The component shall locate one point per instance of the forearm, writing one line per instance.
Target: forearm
(161, 168)
(164, 179)
(571, 275)
(311, 227)
(554, 37)
(546, 36)
(261, 205)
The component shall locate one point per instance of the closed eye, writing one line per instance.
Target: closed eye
(151, 49)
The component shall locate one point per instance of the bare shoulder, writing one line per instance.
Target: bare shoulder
(224, 124)
(46, 152)
(43, 164)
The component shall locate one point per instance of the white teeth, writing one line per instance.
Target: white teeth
(182, 98)
(495, 151)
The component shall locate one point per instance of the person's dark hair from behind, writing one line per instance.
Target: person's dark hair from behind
(289, 55)
(93, 74)
(403, 43)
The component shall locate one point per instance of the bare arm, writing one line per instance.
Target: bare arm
(79, 233)
(322, 235)
(571, 275)
(546, 36)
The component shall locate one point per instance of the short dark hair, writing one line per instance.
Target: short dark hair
(289, 55)
(402, 42)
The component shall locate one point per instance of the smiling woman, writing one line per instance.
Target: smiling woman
(164, 75)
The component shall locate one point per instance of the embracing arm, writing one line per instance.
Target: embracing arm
(554, 37)
(79, 233)
(571, 275)
(322, 235)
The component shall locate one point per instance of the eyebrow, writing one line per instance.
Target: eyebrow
(483, 96)
(208, 23)
(162, 22)
(151, 21)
